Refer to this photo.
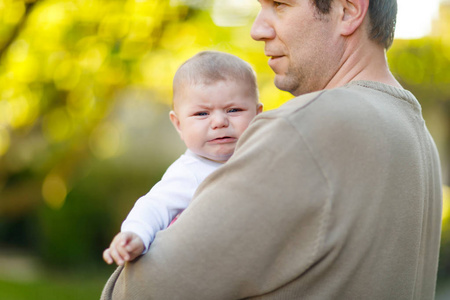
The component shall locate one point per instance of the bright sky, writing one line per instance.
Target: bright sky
(414, 17)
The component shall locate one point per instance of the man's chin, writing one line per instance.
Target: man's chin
(284, 84)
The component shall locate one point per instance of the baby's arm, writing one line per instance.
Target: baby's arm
(154, 211)
(125, 246)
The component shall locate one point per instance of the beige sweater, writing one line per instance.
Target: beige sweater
(335, 195)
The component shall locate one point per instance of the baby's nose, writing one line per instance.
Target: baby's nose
(219, 120)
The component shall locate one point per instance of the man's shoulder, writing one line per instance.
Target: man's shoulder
(333, 99)
(291, 106)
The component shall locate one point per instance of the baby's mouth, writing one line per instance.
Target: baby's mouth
(223, 139)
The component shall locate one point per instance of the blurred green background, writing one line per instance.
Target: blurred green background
(85, 91)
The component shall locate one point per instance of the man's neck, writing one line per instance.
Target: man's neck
(363, 61)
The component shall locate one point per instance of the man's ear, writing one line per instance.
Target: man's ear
(352, 15)
(176, 123)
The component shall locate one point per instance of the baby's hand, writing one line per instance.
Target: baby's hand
(125, 246)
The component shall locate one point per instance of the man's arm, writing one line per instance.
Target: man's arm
(254, 225)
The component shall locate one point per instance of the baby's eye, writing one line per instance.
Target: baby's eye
(201, 114)
(231, 110)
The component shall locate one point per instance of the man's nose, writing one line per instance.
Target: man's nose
(262, 29)
(219, 120)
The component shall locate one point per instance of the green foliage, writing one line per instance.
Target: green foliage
(422, 66)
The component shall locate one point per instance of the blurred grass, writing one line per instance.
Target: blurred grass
(65, 287)
(55, 287)
(48, 290)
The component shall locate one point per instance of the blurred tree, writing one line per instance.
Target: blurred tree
(423, 67)
(66, 166)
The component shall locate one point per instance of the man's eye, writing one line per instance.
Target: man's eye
(277, 4)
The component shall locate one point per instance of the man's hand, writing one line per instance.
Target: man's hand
(125, 246)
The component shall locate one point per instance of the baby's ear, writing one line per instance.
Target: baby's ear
(259, 109)
(176, 122)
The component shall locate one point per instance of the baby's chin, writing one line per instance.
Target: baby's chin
(222, 158)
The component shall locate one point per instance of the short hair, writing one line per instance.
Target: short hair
(383, 18)
(209, 67)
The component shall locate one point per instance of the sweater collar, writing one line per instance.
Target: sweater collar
(388, 89)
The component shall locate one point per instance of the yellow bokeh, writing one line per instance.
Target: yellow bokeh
(132, 49)
(92, 54)
(5, 113)
(153, 78)
(54, 191)
(141, 27)
(47, 24)
(19, 106)
(23, 65)
(11, 12)
(20, 110)
(4, 140)
(114, 26)
(446, 204)
(179, 36)
(106, 140)
(18, 51)
(80, 102)
(67, 75)
(413, 66)
(272, 98)
(57, 125)
(53, 14)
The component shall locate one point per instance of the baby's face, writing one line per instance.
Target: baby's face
(211, 118)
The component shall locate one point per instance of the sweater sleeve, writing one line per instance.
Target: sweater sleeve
(154, 211)
(254, 225)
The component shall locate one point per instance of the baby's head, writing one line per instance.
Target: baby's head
(215, 97)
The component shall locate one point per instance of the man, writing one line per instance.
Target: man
(335, 195)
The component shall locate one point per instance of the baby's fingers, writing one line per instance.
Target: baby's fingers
(135, 247)
(123, 252)
(116, 254)
(107, 256)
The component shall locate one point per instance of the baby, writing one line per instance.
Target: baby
(215, 97)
